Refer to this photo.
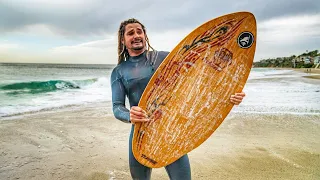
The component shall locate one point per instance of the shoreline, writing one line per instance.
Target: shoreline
(311, 73)
(306, 70)
(90, 144)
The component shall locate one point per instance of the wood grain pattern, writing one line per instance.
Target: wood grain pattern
(188, 96)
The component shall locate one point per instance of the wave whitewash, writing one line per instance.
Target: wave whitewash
(42, 65)
(32, 88)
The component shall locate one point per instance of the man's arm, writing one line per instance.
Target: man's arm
(118, 97)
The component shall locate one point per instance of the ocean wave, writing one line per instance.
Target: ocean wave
(7, 112)
(35, 87)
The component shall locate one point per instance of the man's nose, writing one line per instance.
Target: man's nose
(135, 35)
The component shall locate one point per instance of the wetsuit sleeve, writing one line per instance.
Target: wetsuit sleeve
(118, 97)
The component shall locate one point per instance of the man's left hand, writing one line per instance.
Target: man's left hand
(237, 98)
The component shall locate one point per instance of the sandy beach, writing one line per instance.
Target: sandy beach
(312, 73)
(86, 143)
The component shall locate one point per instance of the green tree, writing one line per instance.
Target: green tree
(313, 53)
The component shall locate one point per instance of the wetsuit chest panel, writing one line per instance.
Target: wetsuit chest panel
(135, 77)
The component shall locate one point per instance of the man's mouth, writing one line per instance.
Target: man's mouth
(136, 42)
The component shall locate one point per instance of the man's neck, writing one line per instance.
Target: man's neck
(133, 53)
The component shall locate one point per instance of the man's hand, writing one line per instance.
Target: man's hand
(138, 115)
(237, 98)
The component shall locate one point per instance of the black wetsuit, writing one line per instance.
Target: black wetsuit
(129, 79)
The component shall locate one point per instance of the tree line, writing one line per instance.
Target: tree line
(289, 62)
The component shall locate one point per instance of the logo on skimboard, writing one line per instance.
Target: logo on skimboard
(245, 40)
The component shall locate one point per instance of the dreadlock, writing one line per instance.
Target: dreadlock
(122, 50)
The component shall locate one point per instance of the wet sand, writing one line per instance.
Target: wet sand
(311, 73)
(87, 143)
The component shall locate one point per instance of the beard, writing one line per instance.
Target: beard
(138, 48)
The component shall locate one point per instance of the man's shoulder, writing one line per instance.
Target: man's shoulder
(116, 70)
(159, 54)
(120, 66)
(163, 53)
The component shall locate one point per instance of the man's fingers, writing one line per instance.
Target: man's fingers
(235, 101)
(138, 113)
(137, 116)
(136, 110)
(139, 120)
(241, 94)
(237, 97)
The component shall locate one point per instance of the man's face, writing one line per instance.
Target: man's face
(134, 38)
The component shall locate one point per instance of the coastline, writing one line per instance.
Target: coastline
(311, 73)
(86, 143)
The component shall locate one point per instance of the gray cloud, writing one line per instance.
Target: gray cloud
(97, 16)
(101, 16)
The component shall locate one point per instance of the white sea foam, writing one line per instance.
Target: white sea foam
(288, 93)
(88, 86)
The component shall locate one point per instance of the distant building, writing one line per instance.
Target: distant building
(296, 60)
(316, 60)
(307, 60)
(303, 58)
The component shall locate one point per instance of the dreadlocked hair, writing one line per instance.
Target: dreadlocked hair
(122, 50)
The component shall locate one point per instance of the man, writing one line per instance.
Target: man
(136, 65)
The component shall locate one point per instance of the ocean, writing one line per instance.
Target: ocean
(32, 88)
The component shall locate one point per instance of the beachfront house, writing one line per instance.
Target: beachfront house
(316, 60)
(296, 60)
(307, 60)
(304, 59)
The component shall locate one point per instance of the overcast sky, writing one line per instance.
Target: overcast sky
(85, 31)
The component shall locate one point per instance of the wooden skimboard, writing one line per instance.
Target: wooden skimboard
(188, 96)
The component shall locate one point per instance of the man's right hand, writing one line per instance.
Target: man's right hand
(138, 115)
